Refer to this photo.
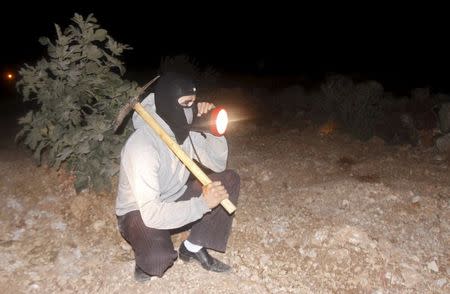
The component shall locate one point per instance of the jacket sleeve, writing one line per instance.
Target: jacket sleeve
(212, 150)
(141, 166)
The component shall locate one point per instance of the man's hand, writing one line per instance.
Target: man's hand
(214, 193)
(204, 107)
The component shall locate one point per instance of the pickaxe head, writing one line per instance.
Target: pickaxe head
(130, 105)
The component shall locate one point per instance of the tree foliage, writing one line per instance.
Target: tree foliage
(77, 90)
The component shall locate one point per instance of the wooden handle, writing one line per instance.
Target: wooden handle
(188, 162)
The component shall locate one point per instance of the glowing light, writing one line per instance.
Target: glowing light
(215, 122)
(222, 121)
(9, 76)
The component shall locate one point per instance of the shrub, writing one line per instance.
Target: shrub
(357, 107)
(77, 91)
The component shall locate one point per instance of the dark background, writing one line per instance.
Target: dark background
(401, 47)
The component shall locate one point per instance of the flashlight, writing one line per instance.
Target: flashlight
(214, 122)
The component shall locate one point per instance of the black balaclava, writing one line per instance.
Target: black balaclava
(169, 88)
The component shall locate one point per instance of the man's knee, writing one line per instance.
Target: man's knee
(156, 263)
(232, 177)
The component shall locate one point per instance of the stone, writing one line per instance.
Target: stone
(264, 259)
(34, 286)
(444, 117)
(319, 237)
(59, 225)
(441, 282)
(266, 175)
(311, 253)
(98, 225)
(432, 266)
(415, 199)
(443, 143)
(344, 204)
(410, 276)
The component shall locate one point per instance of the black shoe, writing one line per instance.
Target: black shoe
(207, 261)
(140, 275)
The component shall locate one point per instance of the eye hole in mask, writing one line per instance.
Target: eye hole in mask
(187, 104)
(186, 101)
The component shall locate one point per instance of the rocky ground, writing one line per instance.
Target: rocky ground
(318, 213)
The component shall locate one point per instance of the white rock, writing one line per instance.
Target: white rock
(279, 228)
(415, 258)
(355, 239)
(415, 199)
(341, 255)
(14, 204)
(69, 256)
(311, 253)
(254, 277)
(392, 198)
(125, 246)
(30, 222)
(59, 225)
(34, 276)
(77, 253)
(432, 266)
(443, 143)
(352, 235)
(345, 204)
(410, 276)
(266, 175)
(438, 157)
(17, 234)
(61, 280)
(98, 225)
(264, 259)
(319, 237)
(441, 282)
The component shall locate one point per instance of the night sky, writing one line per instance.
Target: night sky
(400, 48)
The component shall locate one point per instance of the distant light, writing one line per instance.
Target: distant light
(9, 76)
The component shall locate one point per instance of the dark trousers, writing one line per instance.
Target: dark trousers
(153, 248)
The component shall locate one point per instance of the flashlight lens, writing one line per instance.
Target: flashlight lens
(222, 121)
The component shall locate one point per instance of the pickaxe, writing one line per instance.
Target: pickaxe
(188, 162)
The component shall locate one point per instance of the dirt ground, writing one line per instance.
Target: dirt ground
(318, 213)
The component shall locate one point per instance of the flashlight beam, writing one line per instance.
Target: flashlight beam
(188, 162)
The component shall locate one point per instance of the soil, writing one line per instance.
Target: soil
(318, 213)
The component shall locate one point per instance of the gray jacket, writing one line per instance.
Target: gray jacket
(152, 177)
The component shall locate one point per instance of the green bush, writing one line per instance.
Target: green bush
(357, 107)
(77, 91)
